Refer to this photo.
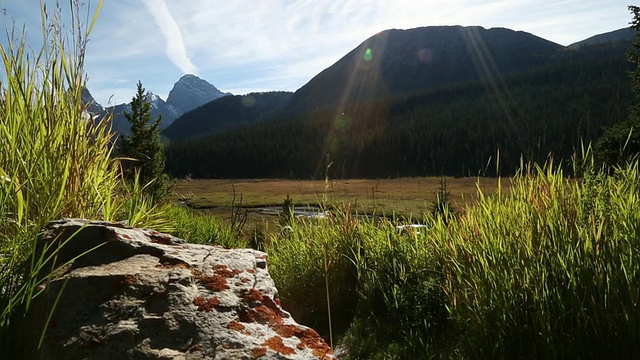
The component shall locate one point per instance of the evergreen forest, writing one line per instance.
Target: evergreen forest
(487, 127)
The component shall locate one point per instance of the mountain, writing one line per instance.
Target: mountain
(120, 124)
(399, 62)
(191, 92)
(187, 93)
(226, 113)
(625, 34)
(428, 101)
(92, 105)
(394, 63)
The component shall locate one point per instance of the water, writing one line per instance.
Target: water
(309, 212)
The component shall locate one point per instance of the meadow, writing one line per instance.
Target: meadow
(407, 197)
(544, 265)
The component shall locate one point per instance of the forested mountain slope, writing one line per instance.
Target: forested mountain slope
(398, 62)
(226, 113)
(453, 129)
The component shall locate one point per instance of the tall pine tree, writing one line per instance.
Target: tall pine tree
(621, 142)
(142, 149)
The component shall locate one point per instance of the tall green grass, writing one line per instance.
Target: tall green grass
(297, 258)
(548, 270)
(204, 229)
(55, 161)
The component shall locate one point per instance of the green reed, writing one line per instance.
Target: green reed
(55, 160)
(548, 270)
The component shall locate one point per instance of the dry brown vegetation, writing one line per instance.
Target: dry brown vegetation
(406, 196)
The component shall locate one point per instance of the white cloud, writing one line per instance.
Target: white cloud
(246, 45)
(175, 47)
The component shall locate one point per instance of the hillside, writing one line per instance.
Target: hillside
(625, 34)
(224, 114)
(456, 129)
(398, 62)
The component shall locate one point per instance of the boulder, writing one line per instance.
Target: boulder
(141, 294)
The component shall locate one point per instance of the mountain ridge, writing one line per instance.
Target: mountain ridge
(226, 113)
(611, 36)
(388, 64)
(460, 129)
(188, 93)
(396, 62)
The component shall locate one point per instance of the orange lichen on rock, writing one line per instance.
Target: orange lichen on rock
(161, 239)
(245, 315)
(234, 325)
(275, 343)
(313, 341)
(224, 271)
(251, 295)
(214, 283)
(206, 304)
(264, 315)
(288, 331)
(259, 352)
(129, 279)
(260, 314)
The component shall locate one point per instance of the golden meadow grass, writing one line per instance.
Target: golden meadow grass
(405, 196)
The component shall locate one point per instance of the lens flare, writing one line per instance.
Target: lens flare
(342, 123)
(367, 55)
(335, 146)
(425, 56)
(248, 101)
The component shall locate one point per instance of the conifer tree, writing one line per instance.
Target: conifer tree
(143, 149)
(621, 142)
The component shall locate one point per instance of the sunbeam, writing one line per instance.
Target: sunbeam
(490, 74)
(363, 82)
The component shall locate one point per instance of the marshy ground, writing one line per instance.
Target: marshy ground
(404, 196)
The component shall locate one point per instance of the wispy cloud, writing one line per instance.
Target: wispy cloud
(247, 45)
(175, 48)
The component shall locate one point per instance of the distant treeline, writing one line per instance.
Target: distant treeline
(459, 130)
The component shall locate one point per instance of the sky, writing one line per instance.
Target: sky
(242, 46)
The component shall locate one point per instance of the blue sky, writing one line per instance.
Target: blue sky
(242, 46)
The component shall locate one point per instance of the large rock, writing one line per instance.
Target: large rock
(145, 295)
